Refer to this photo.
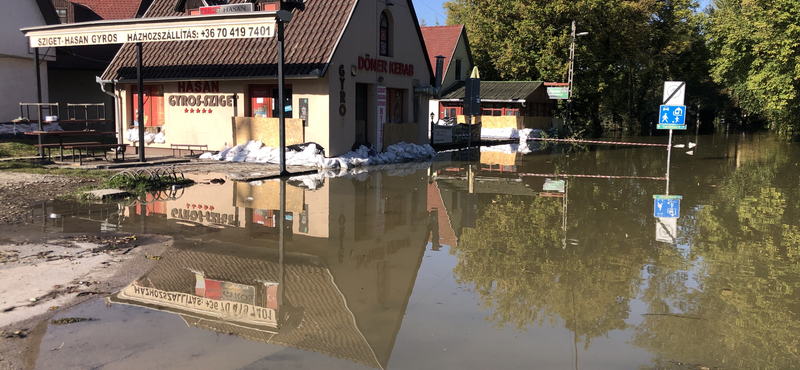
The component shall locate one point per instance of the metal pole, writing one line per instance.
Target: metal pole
(569, 78)
(281, 106)
(140, 105)
(669, 154)
(38, 97)
(281, 243)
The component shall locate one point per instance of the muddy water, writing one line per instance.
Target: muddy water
(478, 264)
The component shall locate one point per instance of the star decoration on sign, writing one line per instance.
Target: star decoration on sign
(204, 110)
(209, 110)
(192, 111)
(186, 110)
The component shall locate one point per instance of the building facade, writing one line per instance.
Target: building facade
(351, 71)
(17, 66)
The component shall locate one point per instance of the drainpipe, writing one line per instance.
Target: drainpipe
(117, 118)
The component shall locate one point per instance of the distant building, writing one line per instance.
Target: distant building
(17, 66)
(517, 104)
(73, 75)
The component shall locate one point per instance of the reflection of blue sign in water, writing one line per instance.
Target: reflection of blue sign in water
(674, 114)
(667, 208)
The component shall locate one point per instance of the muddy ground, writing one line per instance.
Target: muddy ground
(18, 191)
(41, 275)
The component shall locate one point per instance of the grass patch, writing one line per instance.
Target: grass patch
(36, 168)
(17, 149)
(144, 184)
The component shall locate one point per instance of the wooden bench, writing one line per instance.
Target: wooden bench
(190, 147)
(118, 148)
(51, 146)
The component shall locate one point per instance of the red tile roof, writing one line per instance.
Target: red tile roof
(112, 9)
(310, 40)
(441, 40)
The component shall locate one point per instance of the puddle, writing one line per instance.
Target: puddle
(462, 265)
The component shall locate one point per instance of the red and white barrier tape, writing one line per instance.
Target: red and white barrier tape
(595, 142)
(591, 176)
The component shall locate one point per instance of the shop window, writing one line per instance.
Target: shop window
(459, 76)
(385, 34)
(396, 105)
(153, 105)
(264, 99)
(493, 109)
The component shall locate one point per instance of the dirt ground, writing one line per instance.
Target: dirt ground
(18, 191)
(41, 275)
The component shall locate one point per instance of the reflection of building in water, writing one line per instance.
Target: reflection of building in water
(351, 257)
(313, 316)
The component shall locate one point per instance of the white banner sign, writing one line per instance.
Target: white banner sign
(154, 32)
(381, 101)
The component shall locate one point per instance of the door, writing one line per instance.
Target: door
(362, 109)
(260, 101)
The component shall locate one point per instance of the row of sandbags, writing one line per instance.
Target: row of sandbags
(132, 135)
(21, 128)
(313, 156)
(510, 133)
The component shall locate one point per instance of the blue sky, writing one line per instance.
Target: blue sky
(430, 10)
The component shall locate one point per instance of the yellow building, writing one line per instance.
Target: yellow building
(351, 69)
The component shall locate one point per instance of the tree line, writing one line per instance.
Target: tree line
(739, 58)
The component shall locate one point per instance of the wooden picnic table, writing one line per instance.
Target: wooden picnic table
(62, 134)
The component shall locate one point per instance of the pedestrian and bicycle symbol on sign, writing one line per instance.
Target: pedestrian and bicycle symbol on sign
(672, 117)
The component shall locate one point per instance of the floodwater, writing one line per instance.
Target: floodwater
(477, 263)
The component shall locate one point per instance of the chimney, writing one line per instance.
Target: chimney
(439, 70)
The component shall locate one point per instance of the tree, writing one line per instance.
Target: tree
(632, 47)
(756, 56)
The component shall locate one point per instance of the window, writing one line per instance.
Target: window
(493, 109)
(459, 77)
(384, 35)
(450, 110)
(264, 101)
(153, 105)
(62, 15)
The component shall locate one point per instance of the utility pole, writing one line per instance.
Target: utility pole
(571, 68)
(569, 78)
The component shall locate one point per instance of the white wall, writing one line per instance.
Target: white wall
(16, 59)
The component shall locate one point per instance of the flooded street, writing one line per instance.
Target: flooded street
(477, 260)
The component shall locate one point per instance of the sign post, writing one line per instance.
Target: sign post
(672, 114)
(472, 101)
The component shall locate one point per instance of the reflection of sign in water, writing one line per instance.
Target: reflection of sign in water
(233, 311)
(667, 206)
(666, 229)
(553, 185)
(224, 290)
(304, 220)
